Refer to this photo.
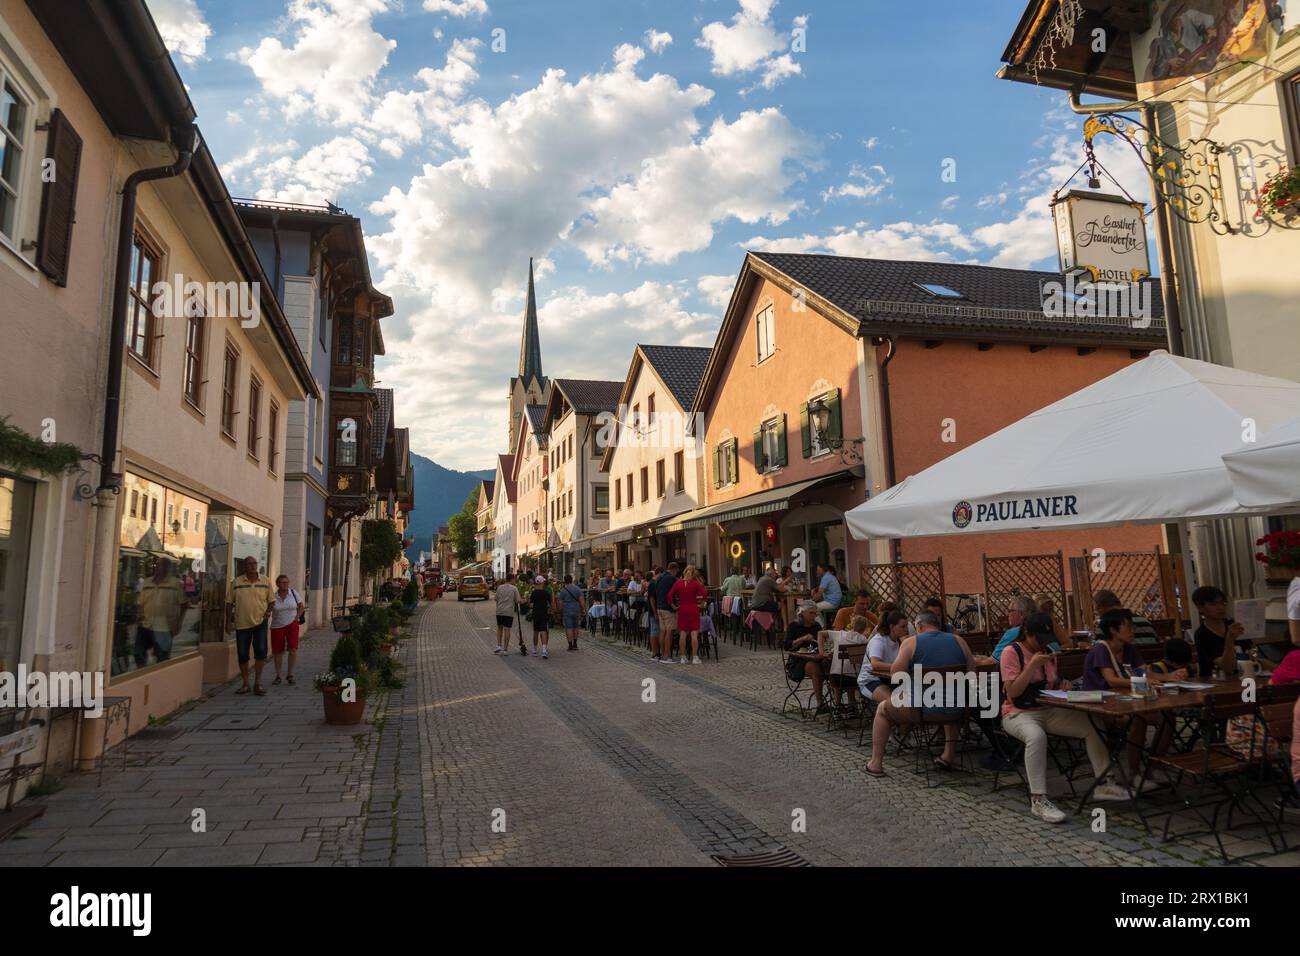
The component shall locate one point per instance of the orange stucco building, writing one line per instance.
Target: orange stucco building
(833, 378)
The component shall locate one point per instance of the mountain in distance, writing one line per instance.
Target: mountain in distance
(439, 493)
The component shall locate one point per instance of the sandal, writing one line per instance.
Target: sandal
(874, 773)
(243, 690)
(276, 681)
(259, 690)
(290, 680)
(942, 764)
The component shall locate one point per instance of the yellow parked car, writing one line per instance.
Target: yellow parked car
(472, 585)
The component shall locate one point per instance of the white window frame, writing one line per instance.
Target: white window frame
(771, 435)
(17, 69)
(765, 332)
(318, 451)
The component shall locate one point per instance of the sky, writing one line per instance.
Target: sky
(635, 150)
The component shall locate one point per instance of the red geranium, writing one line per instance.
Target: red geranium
(1281, 549)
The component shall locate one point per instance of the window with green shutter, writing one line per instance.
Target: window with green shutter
(805, 431)
(760, 456)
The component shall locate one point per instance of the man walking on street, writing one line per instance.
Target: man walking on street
(507, 598)
(249, 609)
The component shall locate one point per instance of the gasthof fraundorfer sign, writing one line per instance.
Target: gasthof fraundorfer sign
(1102, 234)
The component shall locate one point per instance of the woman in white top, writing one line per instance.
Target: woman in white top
(286, 608)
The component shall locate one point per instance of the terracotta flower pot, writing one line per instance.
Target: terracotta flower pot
(338, 712)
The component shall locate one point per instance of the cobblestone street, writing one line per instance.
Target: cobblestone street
(565, 758)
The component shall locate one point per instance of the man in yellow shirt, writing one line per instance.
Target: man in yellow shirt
(249, 609)
(160, 605)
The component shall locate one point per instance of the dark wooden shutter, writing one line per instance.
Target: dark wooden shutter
(733, 460)
(836, 424)
(59, 200)
(760, 463)
(805, 430)
(782, 457)
(717, 465)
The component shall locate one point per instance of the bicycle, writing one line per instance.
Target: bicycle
(968, 616)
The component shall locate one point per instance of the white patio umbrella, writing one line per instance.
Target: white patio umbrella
(1142, 445)
(1266, 473)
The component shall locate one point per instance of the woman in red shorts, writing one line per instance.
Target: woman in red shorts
(286, 608)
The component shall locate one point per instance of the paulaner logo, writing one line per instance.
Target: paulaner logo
(1016, 509)
(80, 689)
(76, 909)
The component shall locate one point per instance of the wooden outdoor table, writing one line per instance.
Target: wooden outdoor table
(1125, 709)
(980, 667)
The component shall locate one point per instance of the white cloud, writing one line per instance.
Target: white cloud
(317, 176)
(871, 142)
(584, 335)
(949, 202)
(657, 40)
(740, 170)
(457, 8)
(330, 67)
(612, 161)
(183, 28)
(751, 42)
(862, 183)
(1025, 240)
(716, 290)
(402, 117)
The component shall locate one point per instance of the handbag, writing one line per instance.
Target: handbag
(302, 618)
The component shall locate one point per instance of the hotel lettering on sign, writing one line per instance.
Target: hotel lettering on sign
(1103, 235)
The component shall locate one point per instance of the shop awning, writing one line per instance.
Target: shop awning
(603, 542)
(759, 503)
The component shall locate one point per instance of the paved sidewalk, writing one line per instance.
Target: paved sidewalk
(289, 790)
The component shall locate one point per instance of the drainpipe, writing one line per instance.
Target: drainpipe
(887, 419)
(110, 482)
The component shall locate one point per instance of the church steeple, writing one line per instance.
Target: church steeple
(529, 386)
(530, 346)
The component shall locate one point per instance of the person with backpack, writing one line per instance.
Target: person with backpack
(572, 606)
(1028, 668)
(287, 612)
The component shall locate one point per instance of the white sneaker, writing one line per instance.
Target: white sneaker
(683, 660)
(497, 649)
(696, 660)
(1042, 808)
(1111, 791)
(545, 653)
(666, 660)
(534, 652)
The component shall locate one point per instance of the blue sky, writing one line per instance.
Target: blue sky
(676, 136)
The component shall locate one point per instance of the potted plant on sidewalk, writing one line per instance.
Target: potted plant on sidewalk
(345, 685)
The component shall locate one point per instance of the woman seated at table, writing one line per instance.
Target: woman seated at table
(882, 651)
(831, 642)
(1027, 669)
(1111, 664)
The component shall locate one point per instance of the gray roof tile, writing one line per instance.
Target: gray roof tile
(681, 367)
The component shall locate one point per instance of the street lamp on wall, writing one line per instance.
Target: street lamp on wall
(819, 417)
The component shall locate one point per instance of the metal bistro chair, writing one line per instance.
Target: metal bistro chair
(851, 658)
(1223, 778)
(930, 725)
(795, 691)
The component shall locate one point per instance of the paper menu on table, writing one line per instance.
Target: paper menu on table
(1249, 613)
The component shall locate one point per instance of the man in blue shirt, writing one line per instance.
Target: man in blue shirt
(828, 592)
(662, 650)
(1019, 609)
